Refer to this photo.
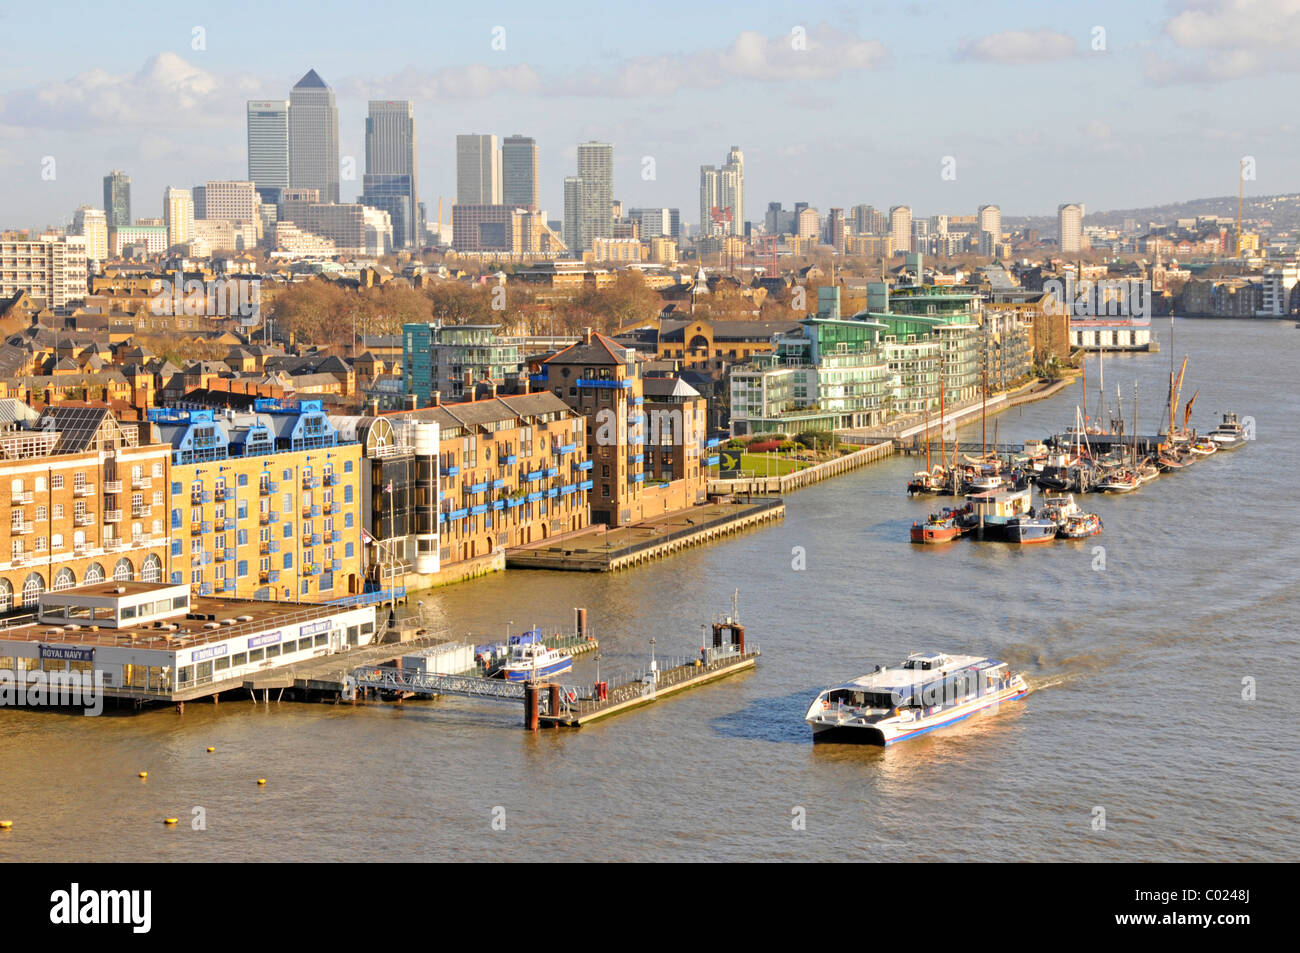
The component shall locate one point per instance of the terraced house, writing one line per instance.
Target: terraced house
(264, 505)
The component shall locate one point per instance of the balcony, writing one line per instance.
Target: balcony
(219, 555)
(79, 550)
(306, 510)
(141, 483)
(306, 539)
(227, 494)
(335, 509)
(19, 559)
(117, 542)
(196, 528)
(21, 527)
(264, 548)
(328, 479)
(141, 539)
(196, 497)
(84, 519)
(23, 497)
(264, 518)
(112, 486)
(264, 575)
(310, 483)
(264, 489)
(112, 516)
(84, 489)
(139, 510)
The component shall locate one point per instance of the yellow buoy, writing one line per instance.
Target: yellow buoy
(210, 748)
(261, 780)
(144, 774)
(169, 820)
(6, 825)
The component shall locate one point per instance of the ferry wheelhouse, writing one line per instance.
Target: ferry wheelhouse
(530, 659)
(928, 691)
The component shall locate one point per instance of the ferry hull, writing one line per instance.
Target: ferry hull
(542, 671)
(892, 732)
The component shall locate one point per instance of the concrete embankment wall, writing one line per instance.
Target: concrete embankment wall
(774, 485)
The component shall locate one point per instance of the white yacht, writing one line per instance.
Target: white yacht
(530, 659)
(928, 691)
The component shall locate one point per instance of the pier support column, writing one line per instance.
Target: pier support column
(554, 699)
(530, 706)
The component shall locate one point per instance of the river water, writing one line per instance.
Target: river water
(1163, 668)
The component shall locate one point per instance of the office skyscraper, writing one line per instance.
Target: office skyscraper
(117, 199)
(519, 171)
(390, 181)
(268, 146)
(314, 138)
(92, 225)
(478, 170)
(595, 193)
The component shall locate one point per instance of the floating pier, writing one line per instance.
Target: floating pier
(557, 705)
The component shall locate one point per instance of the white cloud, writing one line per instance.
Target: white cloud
(165, 86)
(1019, 46)
(1224, 40)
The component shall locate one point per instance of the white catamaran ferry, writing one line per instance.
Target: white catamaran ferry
(926, 692)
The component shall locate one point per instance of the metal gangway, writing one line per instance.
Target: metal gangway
(392, 679)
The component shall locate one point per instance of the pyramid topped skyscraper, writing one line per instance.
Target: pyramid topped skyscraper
(314, 137)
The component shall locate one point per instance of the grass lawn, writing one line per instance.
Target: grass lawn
(769, 464)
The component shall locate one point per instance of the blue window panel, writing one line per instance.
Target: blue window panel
(288, 560)
(535, 496)
(584, 465)
(478, 487)
(242, 509)
(177, 578)
(552, 492)
(638, 478)
(176, 547)
(452, 471)
(230, 554)
(347, 520)
(498, 484)
(242, 569)
(347, 466)
(552, 471)
(288, 475)
(243, 479)
(498, 504)
(347, 493)
(347, 550)
(288, 530)
(242, 537)
(511, 460)
(336, 565)
(327, 580)
(478, 510)
(712, 461)
(176, 489)
(584, 485)
(566, 490)
(176, 519)
(205, 526)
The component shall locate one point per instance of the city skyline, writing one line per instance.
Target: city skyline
(1075, 131)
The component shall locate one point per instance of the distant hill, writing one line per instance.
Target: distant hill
(1282, 212)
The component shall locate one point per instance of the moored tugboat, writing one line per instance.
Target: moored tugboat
(1080, 526)
(939, 528)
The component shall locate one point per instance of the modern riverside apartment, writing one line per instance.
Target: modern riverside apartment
(264, 505)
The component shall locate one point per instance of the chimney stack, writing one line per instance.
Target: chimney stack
(493, 388)
(586, 335)
(409, 402)
(372, 407)
(437, 398)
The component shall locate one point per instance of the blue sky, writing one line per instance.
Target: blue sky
(866, 111)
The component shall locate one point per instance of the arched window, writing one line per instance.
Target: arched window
(6, 595)
(151, 571)
(33, 586)
(64, 579)
(94, 574)
(123, 571)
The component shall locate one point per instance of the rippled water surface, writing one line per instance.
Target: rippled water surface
(1138, 707)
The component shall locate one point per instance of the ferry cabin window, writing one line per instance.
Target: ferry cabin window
(255, 655)
(222, 664)
(272, 651)
(239, 659)
(322, 639)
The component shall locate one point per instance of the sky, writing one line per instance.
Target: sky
(941, 106)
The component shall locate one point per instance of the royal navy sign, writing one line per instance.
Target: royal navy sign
(60, 653)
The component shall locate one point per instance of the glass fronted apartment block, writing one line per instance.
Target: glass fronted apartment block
(263, 505)
(447, 360)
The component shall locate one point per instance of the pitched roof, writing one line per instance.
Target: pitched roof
(601, 350)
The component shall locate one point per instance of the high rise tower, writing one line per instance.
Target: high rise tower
(117, 199)
(478, 170)
(268, 146)
(314, 138)
(595, 193)
(519, 171)
(390, 181)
